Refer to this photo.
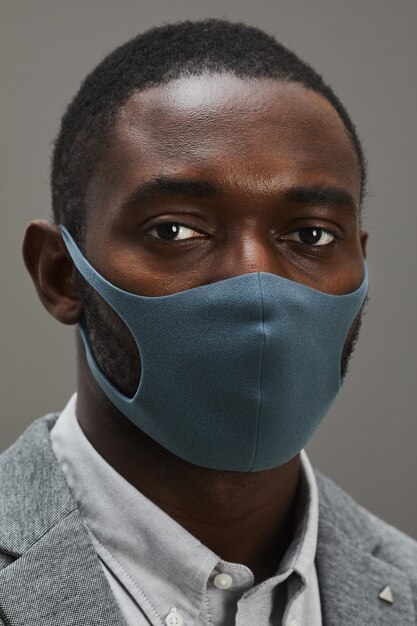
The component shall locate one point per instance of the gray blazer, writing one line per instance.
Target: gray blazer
(50, 574)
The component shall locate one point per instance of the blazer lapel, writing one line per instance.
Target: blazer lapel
(351, 578)
(58, 581)
(52, 574)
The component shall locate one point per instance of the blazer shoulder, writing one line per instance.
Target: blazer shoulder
(366, 529)
(33, 490)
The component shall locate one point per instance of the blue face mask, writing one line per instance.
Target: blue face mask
(236, 375)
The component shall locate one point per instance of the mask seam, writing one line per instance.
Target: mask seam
(260, 375)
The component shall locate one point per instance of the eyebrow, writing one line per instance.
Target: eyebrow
(322, 195)
(165, 187)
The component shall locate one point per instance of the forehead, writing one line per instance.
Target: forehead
(252, 133)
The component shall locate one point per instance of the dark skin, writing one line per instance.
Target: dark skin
(283, 165)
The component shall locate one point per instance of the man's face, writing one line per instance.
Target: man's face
(211, 177)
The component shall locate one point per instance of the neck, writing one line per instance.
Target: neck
(242, 517)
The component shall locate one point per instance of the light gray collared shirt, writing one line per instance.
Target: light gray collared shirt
(159, 573)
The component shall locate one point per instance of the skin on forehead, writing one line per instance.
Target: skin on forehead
(220, 123)
(255, 139)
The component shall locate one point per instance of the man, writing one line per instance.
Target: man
(207, 187)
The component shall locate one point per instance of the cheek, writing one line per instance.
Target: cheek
(111, 342)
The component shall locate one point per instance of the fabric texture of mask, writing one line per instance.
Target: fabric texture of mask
(237, 374)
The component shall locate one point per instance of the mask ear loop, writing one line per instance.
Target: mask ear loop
(362, 289)
(105, 289)
(357, 317)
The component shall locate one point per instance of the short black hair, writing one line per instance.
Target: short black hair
(153, 58)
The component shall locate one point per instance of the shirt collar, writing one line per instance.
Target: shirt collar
(302, 550)
(144, 541)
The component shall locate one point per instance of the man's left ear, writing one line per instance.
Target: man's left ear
(52, 271)
(364, 241)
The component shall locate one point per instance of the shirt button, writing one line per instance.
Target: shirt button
(223, 581)
(174, 618)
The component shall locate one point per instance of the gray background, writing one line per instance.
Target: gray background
(366, 50)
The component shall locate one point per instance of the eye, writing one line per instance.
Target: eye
(313, 236)
(168, 231)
